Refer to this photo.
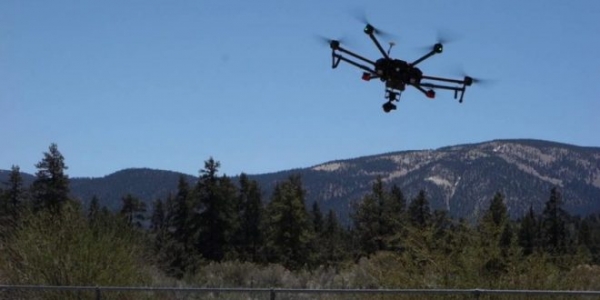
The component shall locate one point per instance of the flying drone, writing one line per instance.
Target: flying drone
(396, 73)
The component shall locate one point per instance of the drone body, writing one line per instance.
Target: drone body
(395, 73)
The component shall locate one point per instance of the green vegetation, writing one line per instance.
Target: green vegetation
(218, 233)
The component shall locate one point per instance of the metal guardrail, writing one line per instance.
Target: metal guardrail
(274, 292)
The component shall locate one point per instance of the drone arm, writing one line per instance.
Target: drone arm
(374, 39)
(424, 57)
(437, 86)
(429, 94)
(437, 48)
(355, 55)
(456, 90)
(445, 79)
(337, 58)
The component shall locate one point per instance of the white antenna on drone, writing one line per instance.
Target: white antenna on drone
(392, 44)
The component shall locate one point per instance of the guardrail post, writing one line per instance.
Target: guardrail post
(98, 294)
(272, 293)
(476, 293)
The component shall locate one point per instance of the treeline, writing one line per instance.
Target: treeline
(216, 220)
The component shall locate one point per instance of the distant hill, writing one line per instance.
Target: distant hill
(146, 184)
(461, 178)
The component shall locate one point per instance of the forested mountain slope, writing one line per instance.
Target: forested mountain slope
(461, 179)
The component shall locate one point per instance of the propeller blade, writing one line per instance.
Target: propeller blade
(330, 42)
(478, 80)
(443, 37)
(446, 37)
(361, 16)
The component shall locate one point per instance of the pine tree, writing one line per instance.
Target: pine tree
(230, 216)
(493, 233)
(317, 231)
(393, 218)
(497, 212)
(157, 221)
(94, 211)
(332, 243)
(506, 239)
(441, 229)
(133, 211)
(493, 222)
(529, 233)
(588, 236)
(397, 201)
(177, 253)
(12, 199)
(317, 219)
(419, 212)
(214, 208)
(250, 237)
(51, 186)
(178, 214)
(367, 219)
(170, 243)
(555, 235)
(379, 219)
(288, 225)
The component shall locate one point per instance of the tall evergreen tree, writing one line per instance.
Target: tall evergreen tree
(157, 221)
(493, 222)
(394, 218)
(497, 213)
(589, 236)
(317, 219)
(133, 211)
(441, 229)
(94, 211)
(555, 235)
(178, 253)
(506, 239)
(178, 214)
(397, 201)
(250, 237)
(51, 186)
(317, 231)
(230, 216)
(173, 251)
(379, 219)
(12, 199)
(332, 250)
(368, 220)
(495, 233)
(214, 207)
(419, 212)
(288, 226)
(529, 233)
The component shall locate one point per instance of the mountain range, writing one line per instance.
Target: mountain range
(461, 179)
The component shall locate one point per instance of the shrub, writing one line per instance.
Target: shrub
(62, 249)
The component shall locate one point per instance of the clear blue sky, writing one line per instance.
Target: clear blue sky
(167, 84)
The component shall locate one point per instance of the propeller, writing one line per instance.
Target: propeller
(475, 80)
(333, 43)
(443, 37)
(446, 37)
(361, 16)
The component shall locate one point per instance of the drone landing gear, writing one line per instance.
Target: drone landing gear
(391, 96)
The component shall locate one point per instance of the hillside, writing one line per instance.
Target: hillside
(461, 178)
